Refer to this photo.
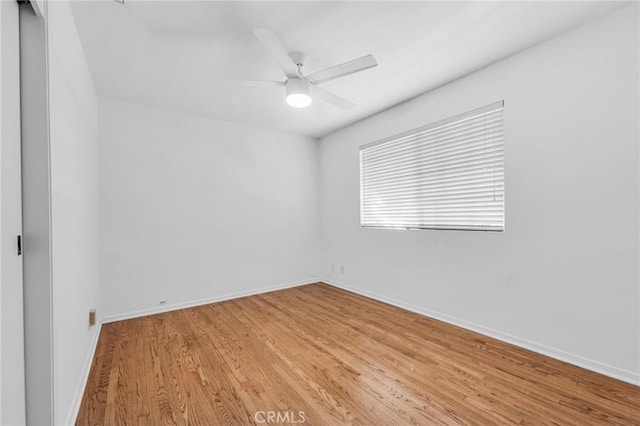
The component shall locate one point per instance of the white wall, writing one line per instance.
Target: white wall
(195, 209)
(74, 209)
(563, 278)
(12, 389)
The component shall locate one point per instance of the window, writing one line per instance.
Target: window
(446, 175)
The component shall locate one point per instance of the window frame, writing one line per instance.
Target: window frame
(431, 127)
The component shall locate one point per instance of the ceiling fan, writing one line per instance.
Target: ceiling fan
(302, 89)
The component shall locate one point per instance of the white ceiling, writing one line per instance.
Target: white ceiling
(174, 54)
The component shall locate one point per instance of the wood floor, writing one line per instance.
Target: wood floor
(323, 356)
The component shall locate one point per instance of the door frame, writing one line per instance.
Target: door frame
(12, 366)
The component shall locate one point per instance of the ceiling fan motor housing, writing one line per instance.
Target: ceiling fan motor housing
(297, 85)
(298, 92)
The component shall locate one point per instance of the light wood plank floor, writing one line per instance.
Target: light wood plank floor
(340, 359)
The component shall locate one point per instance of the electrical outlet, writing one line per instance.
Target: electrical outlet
(342, 269)
(333, 267)
(163, 302)
(92, 317)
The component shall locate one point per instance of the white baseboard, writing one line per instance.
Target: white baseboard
(77, 398)
(205, 301)
(589, 364)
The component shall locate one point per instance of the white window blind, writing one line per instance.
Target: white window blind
(446, 175)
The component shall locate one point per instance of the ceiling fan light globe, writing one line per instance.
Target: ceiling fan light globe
(299, 100)
(298, 92)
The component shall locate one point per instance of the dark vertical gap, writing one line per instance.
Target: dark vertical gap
(36, 218)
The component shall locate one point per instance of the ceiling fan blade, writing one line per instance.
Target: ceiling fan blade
(343, 69)
(332, 99)
(273, 45)
(255, 83)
